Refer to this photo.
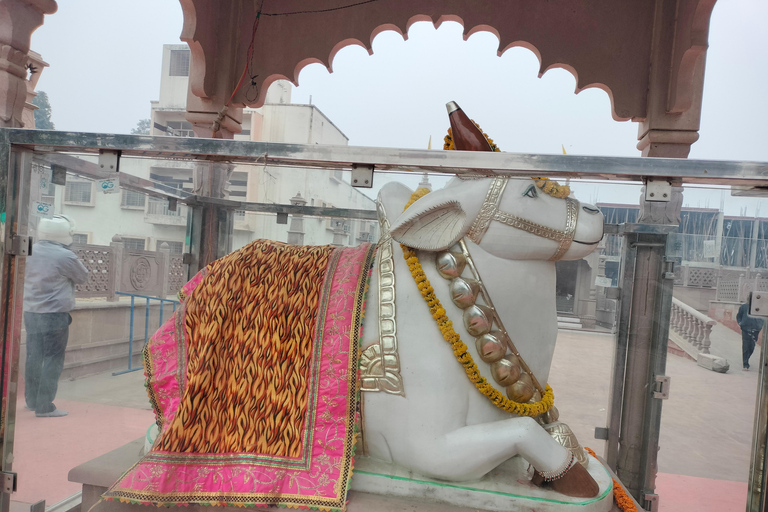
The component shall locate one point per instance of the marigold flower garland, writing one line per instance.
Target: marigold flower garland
(620, 496)
(548, 186)
(459, 348)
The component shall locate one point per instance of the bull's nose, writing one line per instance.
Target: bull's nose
(590, 209)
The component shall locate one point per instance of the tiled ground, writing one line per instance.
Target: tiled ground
(703, 460)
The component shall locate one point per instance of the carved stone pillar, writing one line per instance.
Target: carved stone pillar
(18, 19)
(339, 235)
(212, 220)
(677, 61)
(35, 65)
(116, 267)
(296, 231)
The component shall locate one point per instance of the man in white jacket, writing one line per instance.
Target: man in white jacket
(49, 295)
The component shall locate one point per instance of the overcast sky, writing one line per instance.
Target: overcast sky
(105, 59)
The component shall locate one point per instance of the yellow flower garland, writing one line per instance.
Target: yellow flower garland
(459, 348)
(548, 186)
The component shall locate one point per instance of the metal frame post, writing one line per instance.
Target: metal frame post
(634, 416)
(757, 496)
(15, 174)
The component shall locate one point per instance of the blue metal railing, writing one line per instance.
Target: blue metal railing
(133, 297)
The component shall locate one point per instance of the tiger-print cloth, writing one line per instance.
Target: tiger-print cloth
(253, 318)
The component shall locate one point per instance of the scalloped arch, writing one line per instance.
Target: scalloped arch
(603, 46)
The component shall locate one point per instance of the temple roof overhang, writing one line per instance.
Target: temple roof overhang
(645, 55)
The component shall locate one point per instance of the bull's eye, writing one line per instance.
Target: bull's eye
(531, 192)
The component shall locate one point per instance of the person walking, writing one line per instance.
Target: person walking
(49, 295)
(750, 329)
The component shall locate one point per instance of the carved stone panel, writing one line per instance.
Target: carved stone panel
(99, 260)
(142, 273)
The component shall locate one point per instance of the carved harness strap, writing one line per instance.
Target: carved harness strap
(490, 211)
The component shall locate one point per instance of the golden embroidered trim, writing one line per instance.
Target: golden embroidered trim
(380, 362)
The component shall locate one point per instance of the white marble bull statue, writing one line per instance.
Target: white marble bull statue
(427, 416)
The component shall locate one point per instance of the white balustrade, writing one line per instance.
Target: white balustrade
(692, 326)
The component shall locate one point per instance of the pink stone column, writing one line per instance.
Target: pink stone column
(18, 19)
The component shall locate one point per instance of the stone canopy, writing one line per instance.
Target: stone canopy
(647, 56)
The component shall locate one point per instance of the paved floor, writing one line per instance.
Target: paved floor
(705, 433)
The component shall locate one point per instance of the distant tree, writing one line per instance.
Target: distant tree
(43, 112)
(142, 128)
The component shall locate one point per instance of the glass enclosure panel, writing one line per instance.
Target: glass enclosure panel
(118, 257)
(134, 241)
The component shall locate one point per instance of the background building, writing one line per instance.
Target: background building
(144, 223)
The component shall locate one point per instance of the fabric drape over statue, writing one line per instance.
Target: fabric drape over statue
(253, 382)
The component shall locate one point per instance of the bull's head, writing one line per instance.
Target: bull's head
(509, 218)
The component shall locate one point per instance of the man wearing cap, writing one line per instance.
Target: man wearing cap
(750, 329)
(49, 295)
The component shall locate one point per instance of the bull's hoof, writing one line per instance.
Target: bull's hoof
(576, 482)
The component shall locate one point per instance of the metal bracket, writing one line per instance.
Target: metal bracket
(651, 502)
(109, 160)
(362, 176)
(669, 268)
(758, 303)
(20, 245)
(601, 433)
(9, 482)
(658, 190)
(661, 387)
(186, 258)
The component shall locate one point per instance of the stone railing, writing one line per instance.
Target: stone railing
(736, 289)
(696, 277)
(694, 327)
(114, 268)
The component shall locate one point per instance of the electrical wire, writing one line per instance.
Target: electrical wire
(339, 8)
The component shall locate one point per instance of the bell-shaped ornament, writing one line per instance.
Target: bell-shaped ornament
(464, 292)
(478, 320)
(520, 391)
(491, 347)
(505, 372)
(450, 264)
(527, 379)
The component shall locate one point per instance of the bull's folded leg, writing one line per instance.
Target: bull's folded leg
(575, 481)
(470, 452)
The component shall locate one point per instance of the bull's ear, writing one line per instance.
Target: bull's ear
(430, 225)
(441, 218)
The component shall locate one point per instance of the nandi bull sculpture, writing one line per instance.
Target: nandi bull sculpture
(427, 415)
(256, 379)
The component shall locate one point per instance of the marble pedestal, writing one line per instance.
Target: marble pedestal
(505, 489)
(381, 487)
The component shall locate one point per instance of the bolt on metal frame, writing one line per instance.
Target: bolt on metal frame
(641, 421)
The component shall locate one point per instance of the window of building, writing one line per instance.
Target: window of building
(175, 247)
(180, 129)
(240, 215)
(179, 63)
(78, 192)
(134, 244)
(131, 199)
(160, 207)
(80, 239)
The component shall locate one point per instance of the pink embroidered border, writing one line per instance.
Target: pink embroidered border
(229, 479)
